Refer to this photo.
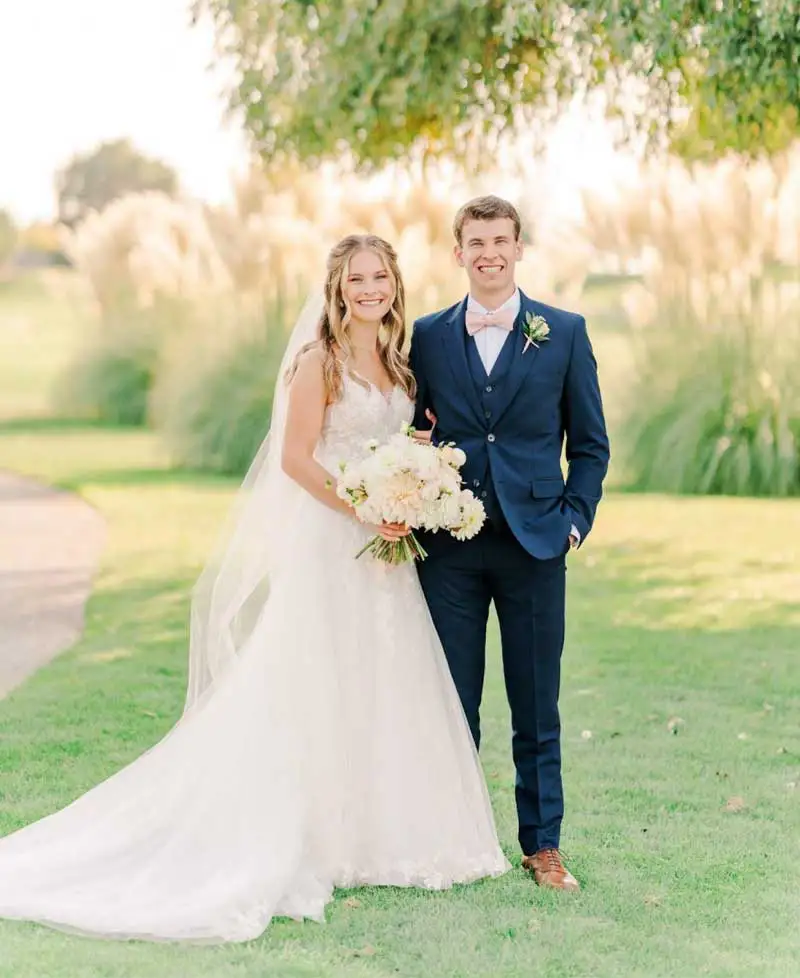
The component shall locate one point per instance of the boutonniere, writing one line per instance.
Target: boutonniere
(536, 330)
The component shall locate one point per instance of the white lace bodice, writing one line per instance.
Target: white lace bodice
(360, 415)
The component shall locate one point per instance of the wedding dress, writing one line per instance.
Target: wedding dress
(332, 751)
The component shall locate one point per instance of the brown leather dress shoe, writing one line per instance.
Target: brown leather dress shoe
(548, 870)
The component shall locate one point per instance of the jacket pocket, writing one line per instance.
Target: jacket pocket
(547, 488)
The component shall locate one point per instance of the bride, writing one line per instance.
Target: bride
(323, 743)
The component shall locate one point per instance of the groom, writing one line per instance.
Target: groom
(509, 380)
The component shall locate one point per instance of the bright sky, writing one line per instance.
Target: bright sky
(76, 72)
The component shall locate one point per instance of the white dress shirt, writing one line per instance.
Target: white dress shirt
(489, 342)
(490, 339)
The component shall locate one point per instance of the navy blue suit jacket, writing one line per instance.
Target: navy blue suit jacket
(550, 397)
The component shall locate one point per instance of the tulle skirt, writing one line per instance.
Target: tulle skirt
(334, 752)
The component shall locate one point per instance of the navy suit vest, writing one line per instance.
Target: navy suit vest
(489, 387)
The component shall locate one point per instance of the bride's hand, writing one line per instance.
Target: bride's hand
(389, 531)
(426, 436)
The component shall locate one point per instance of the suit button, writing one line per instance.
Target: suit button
(484, 494)
(476, 483)
(490, 438)
(487, 414)
(489, 389)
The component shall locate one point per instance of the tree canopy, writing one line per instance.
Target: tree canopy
(381, 78)
(92, 180)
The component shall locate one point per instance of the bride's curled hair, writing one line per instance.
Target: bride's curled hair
(332, 332)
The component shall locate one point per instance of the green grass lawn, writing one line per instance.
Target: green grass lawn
(680, 703)
(681, 692)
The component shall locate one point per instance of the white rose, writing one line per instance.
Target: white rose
(452, 456)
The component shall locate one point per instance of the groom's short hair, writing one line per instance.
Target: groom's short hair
(487, 208)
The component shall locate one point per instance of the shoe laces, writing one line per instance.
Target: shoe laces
(552, 860)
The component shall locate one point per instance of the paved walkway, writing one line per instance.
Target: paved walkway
(50, 545)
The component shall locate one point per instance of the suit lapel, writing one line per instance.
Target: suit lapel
(521, 362)
(455, 352)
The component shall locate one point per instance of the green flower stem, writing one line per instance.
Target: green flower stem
(394, 551)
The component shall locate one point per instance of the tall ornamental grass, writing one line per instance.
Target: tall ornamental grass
(147, 259)
(194, 302)
(213, 399)
(713, 405)
(283, 221)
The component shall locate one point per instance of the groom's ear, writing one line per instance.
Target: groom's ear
(520, 247)
(458, 251)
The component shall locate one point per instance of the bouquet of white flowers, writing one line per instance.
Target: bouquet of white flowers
(410, 482)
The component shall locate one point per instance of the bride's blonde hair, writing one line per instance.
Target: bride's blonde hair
(332, 332)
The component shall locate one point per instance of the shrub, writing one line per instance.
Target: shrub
(111, 376)
(110, 383)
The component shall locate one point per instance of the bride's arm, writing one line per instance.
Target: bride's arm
(304, 418)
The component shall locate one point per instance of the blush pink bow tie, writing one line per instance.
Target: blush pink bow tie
(476, 321)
